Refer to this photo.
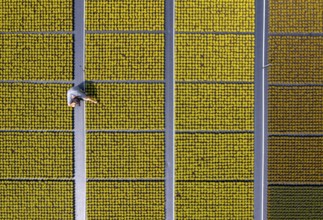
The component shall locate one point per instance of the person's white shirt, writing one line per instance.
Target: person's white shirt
(74, 92)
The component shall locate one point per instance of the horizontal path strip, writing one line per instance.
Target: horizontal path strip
(125, 81)
(144, 81)
(149, 32)
(38, 81)
(296, 135)
(126, 131)
(214, 82)
(37, 32)
(125, 32)
(213, 132)
(216, 181)
(125, 180)
(37, 179)
(65, 131)
(161, 131)
(297, 34)
(214, 32)
(163, 81)
(162, 32)
(319, 184)
(295, 84)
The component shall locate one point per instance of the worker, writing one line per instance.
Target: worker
(75, 95)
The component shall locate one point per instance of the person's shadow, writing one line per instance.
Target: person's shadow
(91, 90)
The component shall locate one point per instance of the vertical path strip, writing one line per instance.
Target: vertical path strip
(169, 109)
(261, 89)
(79, 112)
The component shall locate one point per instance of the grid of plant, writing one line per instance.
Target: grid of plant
(214, 109)
(125, 139)
(36, 167)
(125, 136)
(295, 172)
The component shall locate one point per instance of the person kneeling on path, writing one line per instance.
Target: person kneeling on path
(75, 95)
